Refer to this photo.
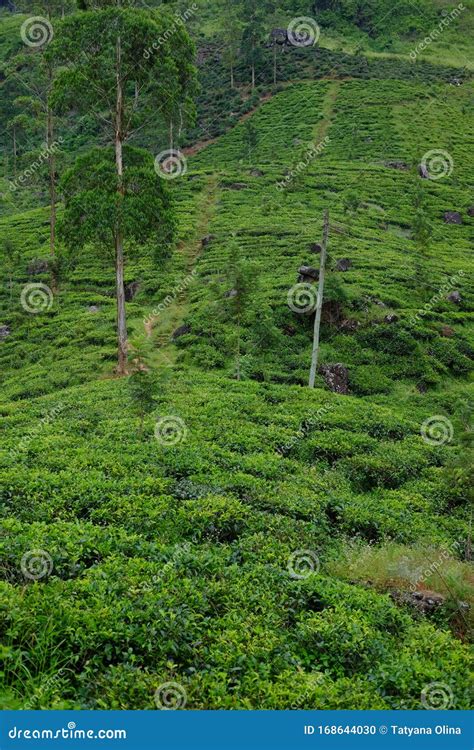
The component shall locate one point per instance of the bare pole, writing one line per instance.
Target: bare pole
(319, 301)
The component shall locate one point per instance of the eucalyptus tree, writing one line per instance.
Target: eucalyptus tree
(110, 73)
(95, 212)
(231, 33)
(49, 8)
(31, 71)
(254, 17)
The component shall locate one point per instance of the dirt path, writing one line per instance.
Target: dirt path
(159, 328)
(192, 150)
(330, 99)
(329, 102)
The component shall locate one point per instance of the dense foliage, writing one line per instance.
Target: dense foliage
(168, 507)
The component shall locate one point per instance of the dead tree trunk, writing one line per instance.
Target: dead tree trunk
(119, 256)
(319, 302)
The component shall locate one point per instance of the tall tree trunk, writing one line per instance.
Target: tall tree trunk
(52, 169)
(121, 319)
(274, 64)
(232, 74)
(237, 359)
(14, 152)
(52, 185)
(319, 301)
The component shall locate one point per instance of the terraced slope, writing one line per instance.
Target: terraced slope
(258, 543)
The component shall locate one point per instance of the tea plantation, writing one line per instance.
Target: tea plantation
(259, 544)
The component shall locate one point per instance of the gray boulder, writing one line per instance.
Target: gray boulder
(452, 217)
(423, 172)
(279, 36)
(131, 290)
(207, 239)
(181, 331)
(308, 274)
(38, 265)
(398, 165)
(336, 377)
(343, 264)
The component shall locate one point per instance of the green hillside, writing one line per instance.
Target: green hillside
(262, 544)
